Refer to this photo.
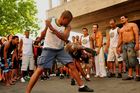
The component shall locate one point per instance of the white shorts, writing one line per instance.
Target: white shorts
(112, 55)
(27, 61)
(138, 55)
(138, 60)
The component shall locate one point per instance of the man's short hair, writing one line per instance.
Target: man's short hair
(14, 37)
(124, 16)
(67, 14)
(113, 20)
(85, 28)
(27, 30)
(96, 25)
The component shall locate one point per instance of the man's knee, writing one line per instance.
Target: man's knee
(71, 66)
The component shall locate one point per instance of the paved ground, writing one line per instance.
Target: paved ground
(55, 85)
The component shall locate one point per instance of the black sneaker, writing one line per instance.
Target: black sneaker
(67, 75)
(73, 82)
(119, 75)
(127, 78)
(85, 89)
(113, 75)
(108, 74)
(61, 76)
(42, 78)
(137, 78)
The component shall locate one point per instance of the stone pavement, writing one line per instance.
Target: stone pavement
(56, 85)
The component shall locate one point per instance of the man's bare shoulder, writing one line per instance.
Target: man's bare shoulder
(7, 44)
(92, 35)
(121, 30)
(133, 24)
(99, 33)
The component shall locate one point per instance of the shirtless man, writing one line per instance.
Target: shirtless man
(56, 33)
(99, 59)
(129, 41)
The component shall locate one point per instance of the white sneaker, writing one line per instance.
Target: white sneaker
(22, 80)
(88, 76)
(96, 76)
(52, 75)
(102, 76)
(81, 76)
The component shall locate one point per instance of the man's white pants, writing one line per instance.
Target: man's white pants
(100, 64)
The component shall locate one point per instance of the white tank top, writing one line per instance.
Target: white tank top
(51, 40)
(85, 41)
(27, 46)
(114, 36)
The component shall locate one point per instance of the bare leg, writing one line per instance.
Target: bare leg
(6, 79)
(111, 67)
(75, 74)
(114, 67)
(124, 66)
(137, 71)
(31, 72)
(120, 67)
(79, 68)
(130, 71)
(34, 79)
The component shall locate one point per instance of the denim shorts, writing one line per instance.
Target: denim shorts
(129, 55)
(49, 55)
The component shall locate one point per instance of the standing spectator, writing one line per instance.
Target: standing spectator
(77, 39)
(129, 40)
(26, 47)
(86, 42)
(99, 59)
(112, 41)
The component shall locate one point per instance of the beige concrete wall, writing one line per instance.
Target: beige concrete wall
(87, 12)
(104, 25)
(102, 17)
(81, 7)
